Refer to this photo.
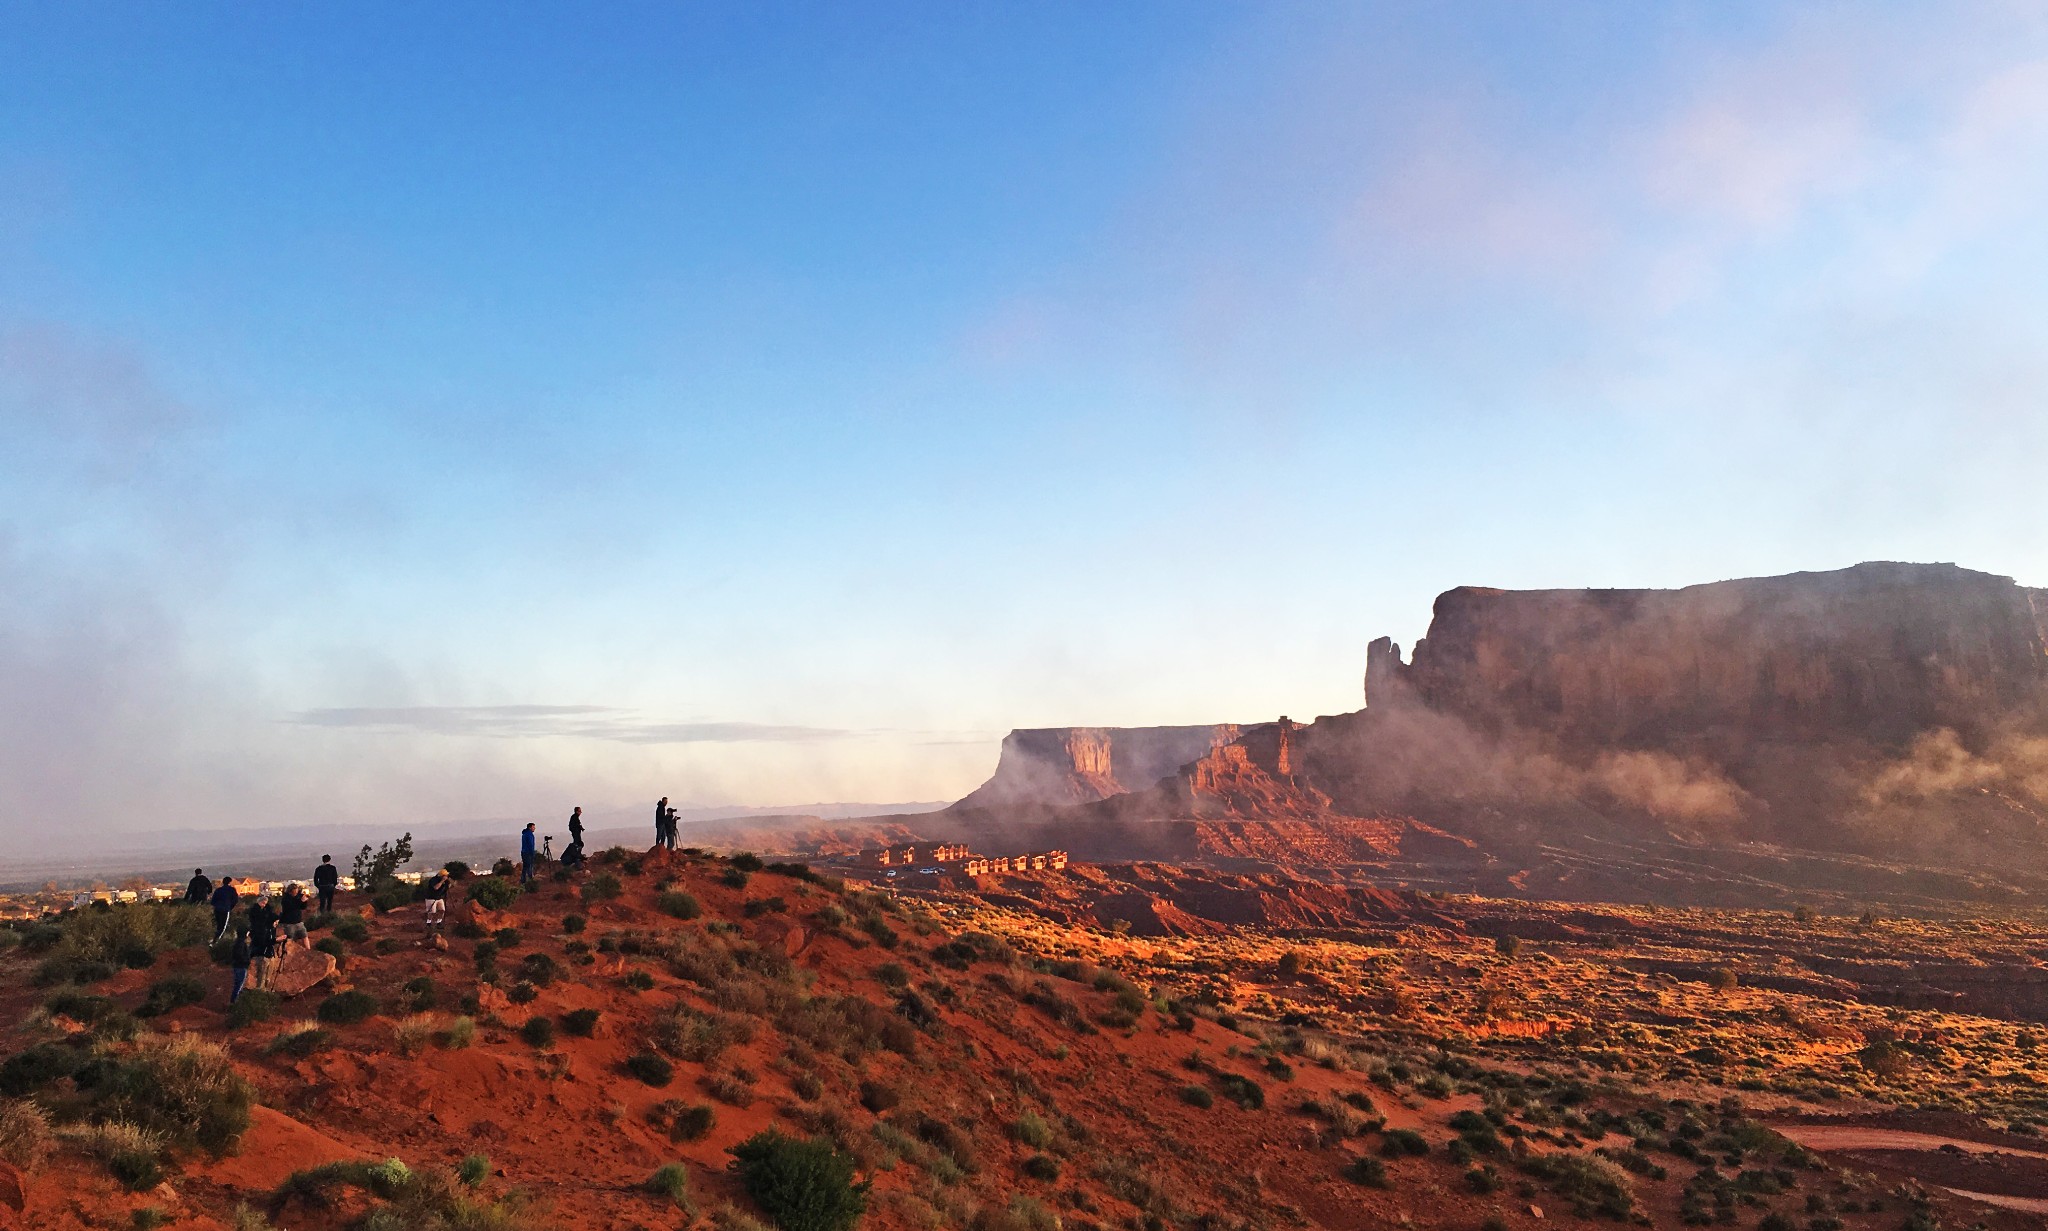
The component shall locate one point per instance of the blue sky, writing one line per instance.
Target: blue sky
(433, 412)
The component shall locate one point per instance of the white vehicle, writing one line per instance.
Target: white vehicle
(928, 871)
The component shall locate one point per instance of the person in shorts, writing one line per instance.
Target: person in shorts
(291, 915)
(437, 900)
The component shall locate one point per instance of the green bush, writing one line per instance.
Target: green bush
(300, 1043)
(1243, 1091)
(332, 945)
(172, 992)
(81, 1007)
(131, 933)
(733, 878)
(180, 1086)
(522, 992)
(538, 1030)
(26, 1072)
(1042, 1167)
(252, 1006)
(539, 969)
(1366, 1170)
(602, 887)
(804, 1184)
(650, 1068)
(1398, 1141)
(347, 1008)
(67, 968)
(1197, 1096)
(494, 892)
(580, 1022)
(506, 937)
(138, 1170)
(572, 924)
(693, 1123)
(671, 1180)
(352, 929)
(681, 905)
(639, 980)
(1032, 1130)
(473, 1170)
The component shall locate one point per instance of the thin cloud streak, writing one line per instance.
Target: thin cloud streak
(554, 721)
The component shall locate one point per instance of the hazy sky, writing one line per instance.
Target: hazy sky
(429, 412)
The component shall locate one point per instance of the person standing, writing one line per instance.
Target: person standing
(198, 889)
(325, 878)
(224, 899)
(526, 854)
(291, 915)
(575, 825)
(262, 939)
(437, 900)
(238, 965)
(661, 821)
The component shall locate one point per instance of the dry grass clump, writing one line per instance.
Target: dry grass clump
(24, 1133)
(415, 1031)
(696, 1036)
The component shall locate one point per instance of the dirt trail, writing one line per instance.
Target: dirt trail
(2031, 1205)
(1859, 1137)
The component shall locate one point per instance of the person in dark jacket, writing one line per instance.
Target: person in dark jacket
(575, 824)
(325, 878)
(262, 938)
(291, 915)
(198, 889)
(436, 909)
(224, 899)
(527, 854)
(238, 965)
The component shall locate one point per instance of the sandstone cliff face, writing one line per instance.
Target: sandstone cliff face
(1878, 652)
(1075, 765)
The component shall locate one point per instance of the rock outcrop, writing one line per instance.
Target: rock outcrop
(1878, 651)
(1073, 765)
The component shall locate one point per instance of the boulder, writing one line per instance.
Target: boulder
(13, 1189)
(301, 970)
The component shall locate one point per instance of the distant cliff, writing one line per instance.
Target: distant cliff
(1075, 765)
(1877, 652)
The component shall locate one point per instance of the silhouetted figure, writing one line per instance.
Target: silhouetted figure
(325, 878)
(572, 854)
(291, 915)
(224, 899)
(238, 965)
(575, 827)
(436, 910)
(198, 889)
(527, 854)
(262, 937)
(661, 821)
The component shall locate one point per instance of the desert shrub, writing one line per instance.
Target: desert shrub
(538, 1030)
(653, 1069)
(391, 897)
(352, 929)
(24, 1134)
(1042, 1167)
(495, 892)
(696, 1036)
(473, 1170)
(252, 1006)
(574, 924)
(423, 992)
(693, 1123)
(733, 878)
(1242, 1090)
(747, 861)
(804, 1184)
(1366, 1170)
(672, 1181)
(681, 905)
(522, 991)
(331, 945)
(1197, 1096)
(1508, 946)
(602, 887)
(1291, 964)
(300, 1043)
(80, 1007)
(67, 968)
(1398, 1141)
(1032, 1130)
(414, 1031)
(639, 980)
(1591, 1183)
(539, 969)
(581, 1022)
(347, 1008)
(1482, 1180)
(733, 1089)
(131, 1152)
(506, 937)
(878, 1096)
(460, 1034)
(1279, 1068)
(179, 1086)
(172, 992)
(39, 1066)
(892, 974)
(807, 1086)
(131, 933)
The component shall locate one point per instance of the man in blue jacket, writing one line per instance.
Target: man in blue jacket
(526, 854)
(224, 899)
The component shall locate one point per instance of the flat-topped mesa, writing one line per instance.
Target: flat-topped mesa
(1878, 652)
(1076, 765)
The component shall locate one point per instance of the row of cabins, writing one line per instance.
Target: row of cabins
(955, 857)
